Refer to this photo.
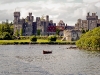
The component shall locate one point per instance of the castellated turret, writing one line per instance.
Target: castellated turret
(92, 20)
(30, 18)
(91, 17)
(37, 19)
(90, 23)
(47, 21)
(47, 18)
(16, 17)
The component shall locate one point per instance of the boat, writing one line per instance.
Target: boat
(47, 52)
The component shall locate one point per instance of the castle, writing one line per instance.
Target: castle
(29, 27)
(90, 23)
(73, 33)
(47, 27)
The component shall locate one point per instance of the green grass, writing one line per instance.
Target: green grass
(15, 40)
(42, 40)
(27, 41)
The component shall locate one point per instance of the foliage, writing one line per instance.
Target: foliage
(17, 33)
(90, 40)
(6, 27)
(24, 37)
(57, 31)
(6, 36)
(52, 38)
(83, 31)
(21, 32)
(38, 32)
(33, 39)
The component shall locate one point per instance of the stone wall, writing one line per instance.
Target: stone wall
(71, 35)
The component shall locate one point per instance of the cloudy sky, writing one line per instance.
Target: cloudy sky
(67, 10)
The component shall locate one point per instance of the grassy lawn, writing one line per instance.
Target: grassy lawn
(28, 40)
(15, 40)
(42, 40)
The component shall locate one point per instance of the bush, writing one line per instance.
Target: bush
(52, 38)
(90, 40)
(33, 38)
(6, 36)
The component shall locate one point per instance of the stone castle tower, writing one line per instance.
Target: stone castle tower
(42, 24)
(90, 23)
(17, 22)
(92, 20)
(29, 25)
(26, 25)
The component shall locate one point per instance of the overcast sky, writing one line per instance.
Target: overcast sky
(67, 10)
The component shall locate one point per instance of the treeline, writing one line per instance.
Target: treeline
(90, 40)
(6, 31)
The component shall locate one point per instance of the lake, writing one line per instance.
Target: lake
(30, 60)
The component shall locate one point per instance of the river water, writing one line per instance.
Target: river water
(29, 60)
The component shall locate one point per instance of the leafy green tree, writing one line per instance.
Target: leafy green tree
(6, 36)
(90, 40)
(57, 31)
(38, 32)
(83, 31)
(2, 29)
(21, 32)
(17, 33)
(7, 28)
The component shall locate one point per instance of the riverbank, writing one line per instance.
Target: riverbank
(22, 42)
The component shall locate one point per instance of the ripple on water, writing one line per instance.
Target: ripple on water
(29, 60)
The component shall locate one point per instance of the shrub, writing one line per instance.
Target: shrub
(90, 40)
(52, 38)
(7, 36)
(33, 38)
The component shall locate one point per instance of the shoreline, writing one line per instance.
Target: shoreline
(26, 43)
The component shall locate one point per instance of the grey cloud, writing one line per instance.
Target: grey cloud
(5, 14)
(55, 1)
(67, 1)
(14, 1)
(68, 14)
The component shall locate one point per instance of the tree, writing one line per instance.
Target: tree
(38, 32)
(17, 33)
(7, 28)
(57, 31)
(83, 31)
(21, 32)
(90, 40)
(6, 36)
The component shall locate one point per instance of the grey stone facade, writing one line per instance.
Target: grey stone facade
(29, 27)
(71, 35)
(90, 23)
(26, 25)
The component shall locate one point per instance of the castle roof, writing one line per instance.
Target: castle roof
(70, 27)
